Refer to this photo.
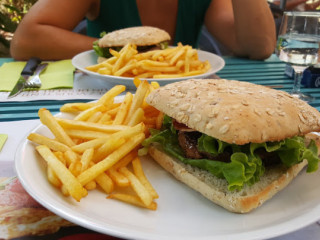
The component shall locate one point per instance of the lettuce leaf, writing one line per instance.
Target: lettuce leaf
(245, 166)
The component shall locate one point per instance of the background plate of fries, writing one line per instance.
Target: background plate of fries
(76, 163)
(89, 58)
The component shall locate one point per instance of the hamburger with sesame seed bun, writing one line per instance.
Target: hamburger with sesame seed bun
(144, 37)
(236, 143)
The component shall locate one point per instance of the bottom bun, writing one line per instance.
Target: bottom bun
(216, 189)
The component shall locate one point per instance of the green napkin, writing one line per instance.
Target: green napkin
(3, 139)
(58, 74)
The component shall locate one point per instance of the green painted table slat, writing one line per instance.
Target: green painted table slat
(269, 72)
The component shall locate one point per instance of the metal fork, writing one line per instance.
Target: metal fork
(34, 81)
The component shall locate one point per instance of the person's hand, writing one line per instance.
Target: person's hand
(312, 6)
(293, 4)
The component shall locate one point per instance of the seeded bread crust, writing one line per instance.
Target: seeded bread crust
(216, 190)
(140, 36)
(235, 112)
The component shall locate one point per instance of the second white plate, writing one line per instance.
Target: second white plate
(88, 58)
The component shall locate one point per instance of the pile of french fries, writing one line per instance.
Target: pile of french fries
(98, 147)
(180, 61)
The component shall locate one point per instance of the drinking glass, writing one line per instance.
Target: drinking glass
(298, 45)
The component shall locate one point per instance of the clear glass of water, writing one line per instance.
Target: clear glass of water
(298, 45)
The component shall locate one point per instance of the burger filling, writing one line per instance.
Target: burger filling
(104, 51)
(238, 164)
(188, 141)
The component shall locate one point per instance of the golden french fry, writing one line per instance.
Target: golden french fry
(92, 172)
(123, 109)
(94, 68)
(87, 113)
(126, 160)
(109, 146)
(86, 158)
(90, 185)
(135, 200)
(108, 97)
(137, 186)
(148, 74)
(105, 182)
(190, 73)
(136, 82)
(68, 124)
(172, 53)
(61, 157)
(154, 63)
(126, 68)
(137, 117)
(121, 58)
(85, 135)
(145, 55)
(137, 100)
(104, 71)
(76, 107)
(95, 143)
(77, 140)
(104, 118)
(118, 178)
(51, 143)
(114, 53)
(95, 117)
(113, 112)
(75, 168)
(50, 121)
(107, 64)
(52, 177)
(159, 69)
(65, 191)
(138, 171)
(71, 157)
(68, 180)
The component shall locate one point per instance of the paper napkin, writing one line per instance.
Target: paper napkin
(58, 74)
(3, 139)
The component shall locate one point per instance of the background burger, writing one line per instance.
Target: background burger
(236, 143)
(144, 37)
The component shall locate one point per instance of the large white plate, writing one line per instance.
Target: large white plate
(84, 59)
(182, 213)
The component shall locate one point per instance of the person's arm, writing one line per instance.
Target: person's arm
(245, 27)
(46, 30)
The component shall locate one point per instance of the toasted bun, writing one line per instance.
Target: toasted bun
(235, 112)
(140, 36)
(216, 190)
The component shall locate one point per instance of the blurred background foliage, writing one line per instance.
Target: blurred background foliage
(11, 13)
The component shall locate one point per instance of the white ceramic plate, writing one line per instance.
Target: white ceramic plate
(84, 59)
(182, 213)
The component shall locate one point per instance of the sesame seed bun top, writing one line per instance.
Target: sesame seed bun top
(235, 112)
(140, 36)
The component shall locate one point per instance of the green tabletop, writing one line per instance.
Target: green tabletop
(4, 60)
(268, 72)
